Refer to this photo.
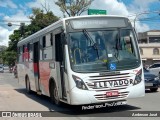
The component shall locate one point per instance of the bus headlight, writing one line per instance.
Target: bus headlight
(138, 77)
(79, 83)
(156, 78)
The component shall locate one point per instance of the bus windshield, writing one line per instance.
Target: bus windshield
(103, 50)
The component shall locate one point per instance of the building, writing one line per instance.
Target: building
(149, 43)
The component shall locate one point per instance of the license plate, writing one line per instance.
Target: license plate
(112, 93)
(148, 84)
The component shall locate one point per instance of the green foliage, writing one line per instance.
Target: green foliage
(9, 57)
(14, 38)
(2, 49)
(75, 8)
(39, 20)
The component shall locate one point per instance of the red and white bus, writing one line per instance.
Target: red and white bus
(83, 60)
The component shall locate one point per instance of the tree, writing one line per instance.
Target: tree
(75, 7)
(9, 57)
(39, 20)
(2, 49)
(14, 38)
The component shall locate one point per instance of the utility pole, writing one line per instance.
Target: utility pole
(22, 25)
(22, 29)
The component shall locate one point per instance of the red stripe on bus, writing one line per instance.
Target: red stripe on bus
(35, 65)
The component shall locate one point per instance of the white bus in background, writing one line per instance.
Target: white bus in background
(83, 60)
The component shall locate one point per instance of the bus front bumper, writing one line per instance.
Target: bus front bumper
(81, 97)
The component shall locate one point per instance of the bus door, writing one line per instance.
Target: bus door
(36, 64)
(60, 59)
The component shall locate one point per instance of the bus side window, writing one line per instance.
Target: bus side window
(58, 47)
(29, 46)
(44, 47)
(48, 40)
(53, 47)
(20, 54)
(47, 43)
(23, 54)
(44, 41)
(51, 39)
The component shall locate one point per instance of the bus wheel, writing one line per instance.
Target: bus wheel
(28, 88)
(54, 94)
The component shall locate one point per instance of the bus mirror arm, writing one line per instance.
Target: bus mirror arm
(63, 39)
(62, 66)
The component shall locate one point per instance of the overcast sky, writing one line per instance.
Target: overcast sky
(19, 10)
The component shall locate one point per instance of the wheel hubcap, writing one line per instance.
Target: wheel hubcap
(27, 85)
(56, 94)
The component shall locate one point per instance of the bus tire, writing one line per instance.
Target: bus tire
(28, 88)
(54, 93)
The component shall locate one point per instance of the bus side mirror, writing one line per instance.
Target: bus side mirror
(63, 39)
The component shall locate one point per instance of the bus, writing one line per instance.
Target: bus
(83, 60)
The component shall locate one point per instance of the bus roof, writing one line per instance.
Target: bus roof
(91, 16)
(60, 23)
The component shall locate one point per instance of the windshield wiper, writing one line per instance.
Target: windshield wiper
(92, 41)
(117, 47)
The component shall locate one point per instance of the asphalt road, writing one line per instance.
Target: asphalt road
(13, 97)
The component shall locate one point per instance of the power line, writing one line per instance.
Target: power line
(150, 12)
(14, 21)
(150, 20)
(154, 18)
(157, 16)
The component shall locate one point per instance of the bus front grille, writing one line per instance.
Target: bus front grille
(119, 81)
